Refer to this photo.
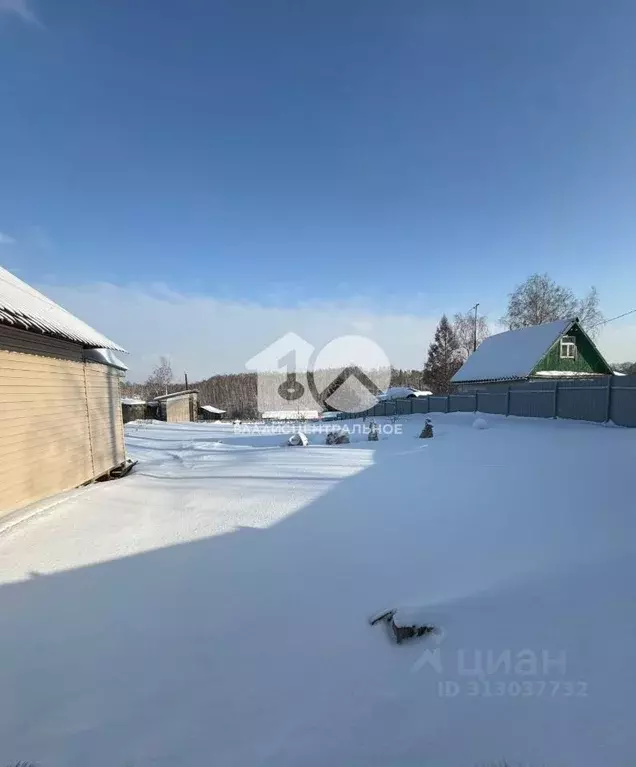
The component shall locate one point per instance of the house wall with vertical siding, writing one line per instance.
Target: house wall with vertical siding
(587, 359)
(180, 409)
(60, 418)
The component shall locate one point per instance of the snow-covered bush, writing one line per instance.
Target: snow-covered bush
(427, 431)
(298, 440)
(480, 423)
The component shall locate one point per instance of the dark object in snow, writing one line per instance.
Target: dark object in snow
(427, 431)
(335, 438)
(385, 615)
(373, 432)
(118, 471)
(298, 440)
(399, 630)
(410, 632)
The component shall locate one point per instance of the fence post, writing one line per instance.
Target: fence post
(412, 398)
(508, 402)
(476, 401)
(556, 400)
(428, 402)
(475, 410)
(448, 403)
(609, 398)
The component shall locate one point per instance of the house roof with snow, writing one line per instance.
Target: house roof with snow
(25, 308)
(516, 354)
(105, 357)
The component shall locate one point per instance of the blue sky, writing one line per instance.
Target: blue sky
(375, 162)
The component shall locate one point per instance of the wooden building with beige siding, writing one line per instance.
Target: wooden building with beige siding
(60, 413)
(178, 407)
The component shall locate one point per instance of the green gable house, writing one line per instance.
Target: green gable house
(554, 350)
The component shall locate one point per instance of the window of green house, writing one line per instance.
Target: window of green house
(568, 348)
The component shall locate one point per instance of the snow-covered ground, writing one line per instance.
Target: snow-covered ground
(211, 607)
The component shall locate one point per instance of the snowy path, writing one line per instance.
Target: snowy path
(211, 607)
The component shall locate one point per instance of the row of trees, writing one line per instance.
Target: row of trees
(537, 300)
(234, 392)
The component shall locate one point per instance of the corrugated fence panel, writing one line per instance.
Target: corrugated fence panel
(438, 404)
(583, 400)
(462, 403)
(532, 403)
(420, 404)
(404, 406)
(492, 402)
(623, 401)
(378, 410)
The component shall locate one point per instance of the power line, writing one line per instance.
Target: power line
(611, 319)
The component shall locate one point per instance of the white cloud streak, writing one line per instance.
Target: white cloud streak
(204, 335)
(6, 240)
(617, 342)
(19, 8)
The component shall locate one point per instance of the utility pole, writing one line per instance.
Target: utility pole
(186, 380)
(475, 307)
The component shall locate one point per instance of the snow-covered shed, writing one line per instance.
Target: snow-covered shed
(60, 412)
(560, 349)
(211, 413)
(178, 406)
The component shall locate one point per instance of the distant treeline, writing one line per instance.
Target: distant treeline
(236, 393)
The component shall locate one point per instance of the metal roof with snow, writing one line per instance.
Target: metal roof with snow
(513, 354)
(105, 357)
(23, 307)
(212, 409)
(177, 394)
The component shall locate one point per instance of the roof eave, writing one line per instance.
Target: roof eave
(491, 380)
(176, 394)
(27, 325)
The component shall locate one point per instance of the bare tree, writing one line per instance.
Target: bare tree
(539, 299)
(629, 368)
(464, 327)
(161, 376)
(589, 314)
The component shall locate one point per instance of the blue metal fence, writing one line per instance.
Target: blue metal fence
(611, 398)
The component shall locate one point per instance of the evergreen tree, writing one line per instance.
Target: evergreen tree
(444, 358)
